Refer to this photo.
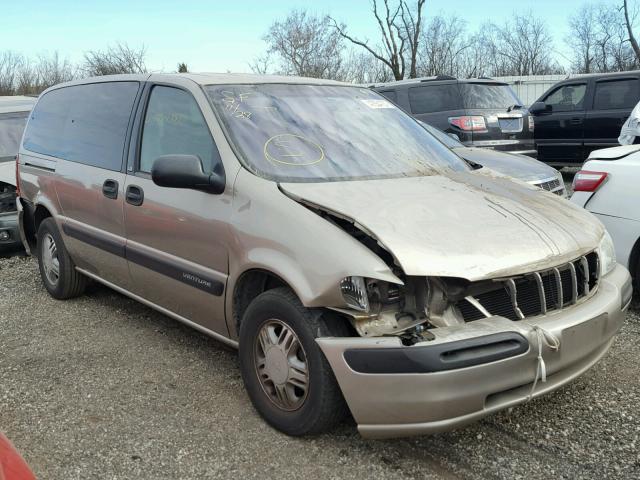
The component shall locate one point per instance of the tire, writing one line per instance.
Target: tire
(320, 406)
(51, 252)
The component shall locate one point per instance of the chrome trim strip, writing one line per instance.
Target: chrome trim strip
(168, 313)
(574, 283)
(474, 301)
(585, 271)
(511, 285)
(541, 292)
(560, 297)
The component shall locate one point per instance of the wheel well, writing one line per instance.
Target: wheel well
(251, 284)
(633, 261)
(32, 222)
(39, 215)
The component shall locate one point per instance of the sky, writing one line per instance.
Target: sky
(219, 36)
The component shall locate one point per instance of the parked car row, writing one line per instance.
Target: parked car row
(14, 112)
(583, 114)
(358, 263)
(480, 112)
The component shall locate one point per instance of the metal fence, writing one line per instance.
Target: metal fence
(529, 88)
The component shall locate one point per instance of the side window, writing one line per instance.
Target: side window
(434, 98)
(174, 125)
(83, 123)
(616, 94)
(567, 98)
(391, 95)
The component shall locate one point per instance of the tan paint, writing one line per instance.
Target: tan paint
(475, 225)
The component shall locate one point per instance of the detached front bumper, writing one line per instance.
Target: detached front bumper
(415, 396)
(9, 232)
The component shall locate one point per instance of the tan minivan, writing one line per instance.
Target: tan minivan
(356, 262)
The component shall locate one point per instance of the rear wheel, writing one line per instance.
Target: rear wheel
(57, 270)
(287, 377)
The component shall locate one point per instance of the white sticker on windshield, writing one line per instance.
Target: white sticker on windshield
(377, 103)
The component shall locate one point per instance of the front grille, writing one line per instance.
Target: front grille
(536, 293)
(510, 125)
(550, 185)
(554, 186)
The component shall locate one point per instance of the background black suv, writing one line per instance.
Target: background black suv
(481, 112)
(582, 114)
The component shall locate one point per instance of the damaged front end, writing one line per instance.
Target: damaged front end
(412, 308)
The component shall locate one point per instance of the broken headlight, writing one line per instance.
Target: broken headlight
(364, 294)
(354, 292)
(607, 253)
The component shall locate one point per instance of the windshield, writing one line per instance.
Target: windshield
(11, 128)
(487, 95)
(316, 133)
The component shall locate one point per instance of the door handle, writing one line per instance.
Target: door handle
(576, 121)
(110, 189)
(134, 195)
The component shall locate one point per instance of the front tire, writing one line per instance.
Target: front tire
(57, 270)
(287, 377)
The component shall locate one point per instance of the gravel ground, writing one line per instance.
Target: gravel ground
(103, 387)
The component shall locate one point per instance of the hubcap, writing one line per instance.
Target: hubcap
(281, 365)
(50, 260)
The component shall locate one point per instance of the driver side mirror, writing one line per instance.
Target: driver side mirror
(185, 171)
(539, 108)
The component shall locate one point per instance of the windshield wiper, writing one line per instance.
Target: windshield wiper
(515, 106)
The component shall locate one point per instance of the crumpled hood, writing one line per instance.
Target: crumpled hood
(461, 225)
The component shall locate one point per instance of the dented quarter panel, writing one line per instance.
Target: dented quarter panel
(466, 225)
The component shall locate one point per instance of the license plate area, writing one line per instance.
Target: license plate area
(510, 125)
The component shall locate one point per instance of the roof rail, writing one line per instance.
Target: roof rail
(438, 77)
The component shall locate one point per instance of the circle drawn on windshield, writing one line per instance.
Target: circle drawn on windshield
(292, 150)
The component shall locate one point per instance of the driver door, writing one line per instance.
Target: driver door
(176, 238)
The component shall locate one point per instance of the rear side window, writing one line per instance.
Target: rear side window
(174, 125)
(434, 98)
(488, 95)
(616, 94)
(567, 98)
(11, 128)
(391, 95)
(83, 123)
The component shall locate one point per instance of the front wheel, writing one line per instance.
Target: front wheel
(286, 375)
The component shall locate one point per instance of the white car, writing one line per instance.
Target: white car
(609, 187)
(14, 111)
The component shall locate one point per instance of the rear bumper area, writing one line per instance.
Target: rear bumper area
(410, 392)
(508, 146)
(9, 232)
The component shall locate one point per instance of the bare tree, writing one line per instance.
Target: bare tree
(399, 29)
(117, 59)
(22, 76)
(182, 68)
(521, 46)
(599, 37)
(632, 38)
(444, 48)
(10, 64)
(412, 25)
(360, 67)
(303, 44)
(262, 64)
(583, 38)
